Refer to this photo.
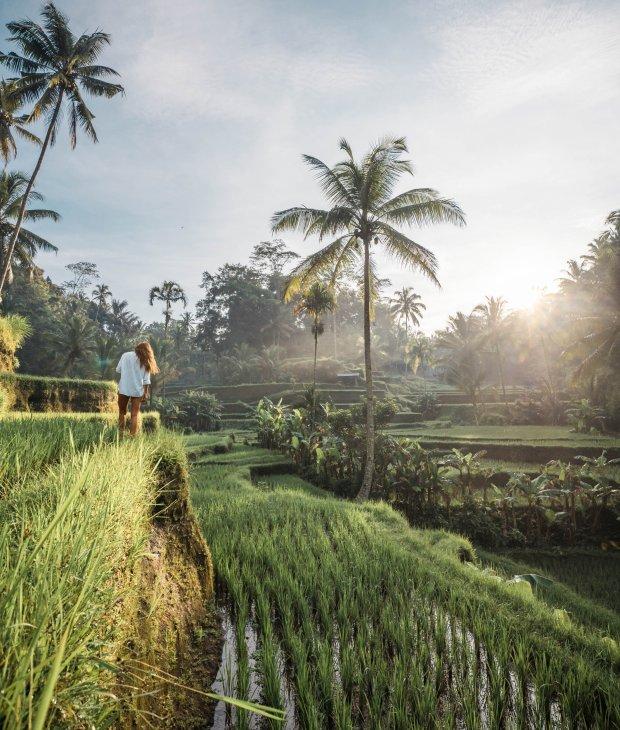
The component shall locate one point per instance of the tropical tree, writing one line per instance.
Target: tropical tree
(314, 303)
(596, 308)
(495, 326)
(122, 322)
(74, 343)
(407, 305)
(100, 296)
(13, 187)
(11, 122)
(55, 68)
(170, 293)
(460, 343)
(362, 215)
(419, 352)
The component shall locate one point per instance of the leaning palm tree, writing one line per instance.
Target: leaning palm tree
(495, 323)
(407, 305)
(13, 187)
(362, 215)
(55, 68)
(170, 293)
(316, 302)
(12, 123)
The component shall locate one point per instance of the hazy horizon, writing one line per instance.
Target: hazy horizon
(510, 108)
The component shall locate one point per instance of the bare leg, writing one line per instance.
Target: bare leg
(135, 412)
(122, 410)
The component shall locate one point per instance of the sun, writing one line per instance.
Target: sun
(523, 297)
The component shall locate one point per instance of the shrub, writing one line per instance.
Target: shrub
(195, 410)
(13, 331)
(493, 418)
(38, 393)
(427, 404)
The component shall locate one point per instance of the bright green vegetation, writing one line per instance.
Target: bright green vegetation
(593, 574)
(70, 534)
(382, 625)
(28, 444)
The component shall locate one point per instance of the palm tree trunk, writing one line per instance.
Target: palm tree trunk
(335, 333)
(22, 208)
(369, 467)
(500, 370)
(316, 344)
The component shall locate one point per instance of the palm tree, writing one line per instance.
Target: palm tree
(122, 321)
(170, 293)
(598, 315)
(100, 295)
(495, 323)
(55, 68)
(316, 302)
(10, 121)
(74, 342)
(407, 305)
(419, 352)
(13, 187)
(364, 214)
(461, 358)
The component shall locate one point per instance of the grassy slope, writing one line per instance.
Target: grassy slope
(328, 565)
(70, 534)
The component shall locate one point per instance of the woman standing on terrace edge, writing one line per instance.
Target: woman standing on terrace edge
(136, 368)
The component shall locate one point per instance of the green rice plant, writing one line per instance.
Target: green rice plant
(379, 624)
(69, 539)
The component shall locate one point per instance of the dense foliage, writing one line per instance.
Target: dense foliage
(564, 504)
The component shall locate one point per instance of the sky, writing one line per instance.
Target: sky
(510, 108)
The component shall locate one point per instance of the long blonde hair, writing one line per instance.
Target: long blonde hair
(145, 354)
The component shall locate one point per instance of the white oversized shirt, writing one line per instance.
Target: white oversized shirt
(133, 376)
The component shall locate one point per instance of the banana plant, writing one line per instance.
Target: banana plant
(600, 489)
(468, 467)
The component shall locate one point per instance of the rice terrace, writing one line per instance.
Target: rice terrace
(301, 430)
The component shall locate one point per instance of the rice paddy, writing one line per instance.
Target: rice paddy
(345, 617)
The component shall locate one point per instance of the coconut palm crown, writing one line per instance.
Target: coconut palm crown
(363, 215)
(12, 123)
(169, 292)
(56, 68)
(12, 193)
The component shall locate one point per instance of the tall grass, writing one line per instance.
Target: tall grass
(69, 537)
(381, 625)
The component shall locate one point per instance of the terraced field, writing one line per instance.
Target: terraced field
(346, 617)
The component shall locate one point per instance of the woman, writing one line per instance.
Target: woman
(136, 369)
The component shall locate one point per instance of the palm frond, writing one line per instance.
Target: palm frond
(297, 219)
(422, 206)
(408, 252)
(332, 185)
(310, 269)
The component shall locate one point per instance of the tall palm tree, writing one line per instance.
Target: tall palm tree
(55, 68)
(495, 324)
(100, 296)
(407, 305)
(11, 122)
(170, 293)
(316, 302)
(13, 187)
(362, 215)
